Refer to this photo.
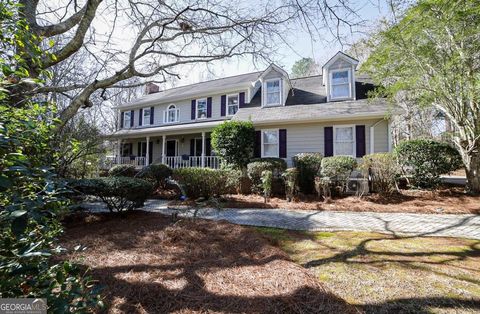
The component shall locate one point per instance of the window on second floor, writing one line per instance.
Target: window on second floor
(340, 84)
(232, 104)
(344, 140)
(146, 116)
(171, 115)
(273, 94)
(126, 119)
(201, 108)
(270, 143)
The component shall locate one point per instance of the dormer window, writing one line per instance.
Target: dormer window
(171, 115)
(273, 95)
(340, 84)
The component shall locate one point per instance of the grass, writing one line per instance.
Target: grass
(386, 274)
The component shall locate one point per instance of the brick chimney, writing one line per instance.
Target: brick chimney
(151, 88)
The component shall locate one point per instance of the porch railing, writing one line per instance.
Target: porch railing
(171, 161)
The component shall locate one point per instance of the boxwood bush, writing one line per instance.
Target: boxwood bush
(290, 177)
(425, 160)
(255, 169)
(308, 165)
(122, 171)
(156, 173)
(205, 182)
(118, 193)
(337, 166)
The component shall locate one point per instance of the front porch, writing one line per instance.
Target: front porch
(175, 151)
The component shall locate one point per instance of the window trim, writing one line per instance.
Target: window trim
(265, 92)
(238, 103)
(166, 114)
(196, 108)
(330, 78)
(354, 141)
(125, 125)
(144, 121)
(263, 144)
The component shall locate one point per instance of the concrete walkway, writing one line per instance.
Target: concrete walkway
(466, 226)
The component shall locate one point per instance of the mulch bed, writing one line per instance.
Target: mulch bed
(443, 201)
(147, 264)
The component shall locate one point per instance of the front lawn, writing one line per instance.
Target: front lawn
(385, 274)
(148, 264)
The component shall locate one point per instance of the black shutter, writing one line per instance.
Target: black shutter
(328, 134)
(152, 112)
(122, 117)
(208, 147)
(140, 117)
(241, 101)
(192, 147)
(223, 105)
(282, 134)
(150, 152)
(130, 151)
(360, 140)
(132, 118)
(209, 107)
(257, 148)
(139, 149)
(193, 109)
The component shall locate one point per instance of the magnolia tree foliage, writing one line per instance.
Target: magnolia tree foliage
(304, 67)
(233, 141)
(433, 54)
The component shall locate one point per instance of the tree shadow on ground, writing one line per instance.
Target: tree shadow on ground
(146, 263)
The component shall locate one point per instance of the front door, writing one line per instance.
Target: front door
(198, 147)
(171, 148)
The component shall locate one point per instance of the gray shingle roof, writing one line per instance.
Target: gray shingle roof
(198, 88)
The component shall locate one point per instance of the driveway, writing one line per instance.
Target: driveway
(465, 226)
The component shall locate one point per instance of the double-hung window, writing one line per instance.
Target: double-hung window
(146, 116)
(273, 93)
(201, 108)
(232, 104)
(171, 115)
(340, 84)
(344, 140)
(270, 143)
(126, 119)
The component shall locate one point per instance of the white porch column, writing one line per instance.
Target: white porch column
(164, 148)
(147, 153)
(119, 151)
(203, 149)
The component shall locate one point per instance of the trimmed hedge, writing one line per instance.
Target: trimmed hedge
(122, 171)
(255, 169)
(337, 166)
(308, 165)
(233, 142)
(290, 176)
(426, 160)
(157, 174)
(205, 182)
(278, 164)
(118, 193)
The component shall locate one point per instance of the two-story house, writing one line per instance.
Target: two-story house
(327, 113)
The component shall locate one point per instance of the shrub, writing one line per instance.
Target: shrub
(205, 182)
(255, 169)
(383, 169)
(426, 160)
(157, 174)
(267, 179)
(308, 165)
(118, 193)
(233, 141)
(337, 166)
(290, 176)
(122, 171)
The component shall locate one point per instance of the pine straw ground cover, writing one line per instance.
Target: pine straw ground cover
(149, 265)
(386, 274)
(445, 201)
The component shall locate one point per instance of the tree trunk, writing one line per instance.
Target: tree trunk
(473, 174)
